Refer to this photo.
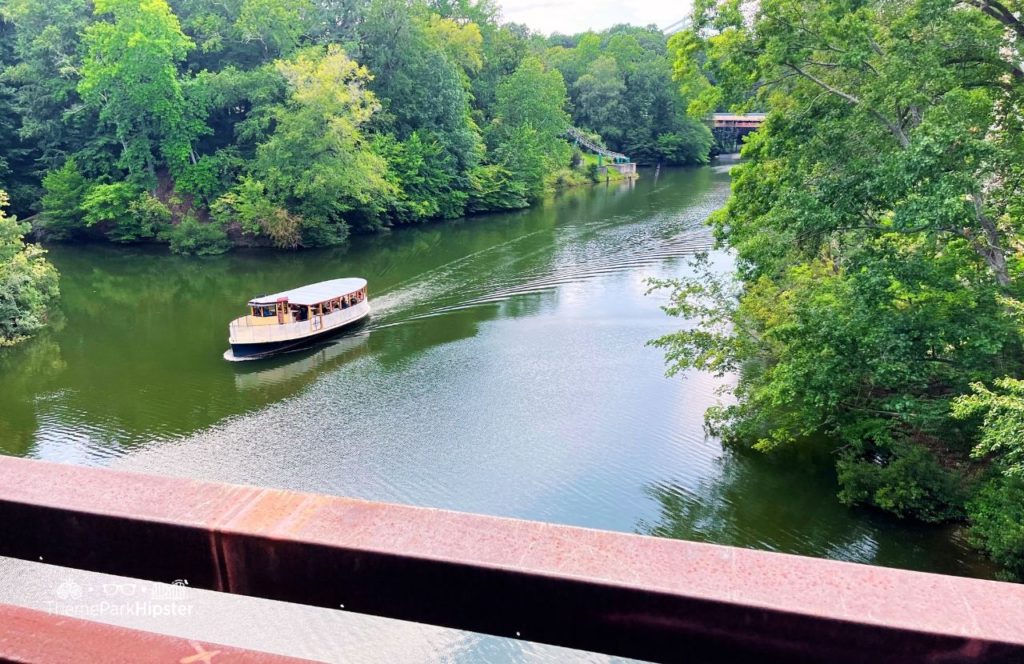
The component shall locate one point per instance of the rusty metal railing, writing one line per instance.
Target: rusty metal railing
(40, 637)
(620, 594)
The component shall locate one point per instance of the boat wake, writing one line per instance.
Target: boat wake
(580, 253)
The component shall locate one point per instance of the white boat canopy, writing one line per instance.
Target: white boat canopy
(314, 293)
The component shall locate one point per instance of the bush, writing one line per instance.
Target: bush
(210, 176)
(493, 187)
(576, 160)
(997, 522)
(321, 232)
(908, 481)
(28, 282)
(249, 205)
(125, 213)
(191, 237)
(65, 190)
(424, 179)
(150, 216)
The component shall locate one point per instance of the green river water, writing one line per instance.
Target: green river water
(504, 371)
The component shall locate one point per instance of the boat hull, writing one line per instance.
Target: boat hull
(258, 350)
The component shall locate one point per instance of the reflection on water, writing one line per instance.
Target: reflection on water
(294, 370)
(505, 371)
(773, 504)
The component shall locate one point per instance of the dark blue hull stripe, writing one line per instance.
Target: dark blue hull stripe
(274, 347)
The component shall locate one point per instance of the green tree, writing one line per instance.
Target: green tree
(419, 85)
(421, 175)
(130, 75)
(277, 25)
(620, 84)
(124, 212)
(997, 511)
(1002, 429)
(248, 206)
(919, 81)
(224, 109)
(997, 522)
(504, 48)
(44, 107)
(534, 95)
(598, 96)
(65, 191)
(28, 283)
(461, 42)
(317, 163)
(16, 160)
(874, 231)
(530, 124)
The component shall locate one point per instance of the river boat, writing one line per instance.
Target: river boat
(295, 318)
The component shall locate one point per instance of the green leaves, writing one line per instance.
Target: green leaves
(194, 238)
(877, 235)
(62, 203)
(129, 74)
(276, 24)
(28, 282)
(997, 523)
(529, 125)
(296, 122)
(620, 86)
(124, 212)
(1002, 425)
(317, 163)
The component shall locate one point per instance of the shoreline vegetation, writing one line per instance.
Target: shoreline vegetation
(877, 307)
(205, 125)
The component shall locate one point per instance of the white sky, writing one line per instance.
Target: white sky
(572, 16)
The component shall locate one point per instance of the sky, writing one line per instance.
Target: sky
(572, 16)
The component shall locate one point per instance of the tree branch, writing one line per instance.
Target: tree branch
(1001, 13)
(896, 130)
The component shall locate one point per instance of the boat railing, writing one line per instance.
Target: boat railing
(242, 332)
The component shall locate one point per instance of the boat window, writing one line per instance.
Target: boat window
(265, 311)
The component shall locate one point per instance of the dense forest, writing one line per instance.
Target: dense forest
(209, 124)
(877, 224)
(204, 123)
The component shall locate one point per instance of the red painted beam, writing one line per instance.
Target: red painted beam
(642, 597)
(45, 638)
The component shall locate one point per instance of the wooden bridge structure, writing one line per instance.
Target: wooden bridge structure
(729, 129)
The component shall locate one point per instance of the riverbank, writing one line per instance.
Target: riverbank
(194, 232)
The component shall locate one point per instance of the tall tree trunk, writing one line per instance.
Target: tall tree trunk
(989, 245)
